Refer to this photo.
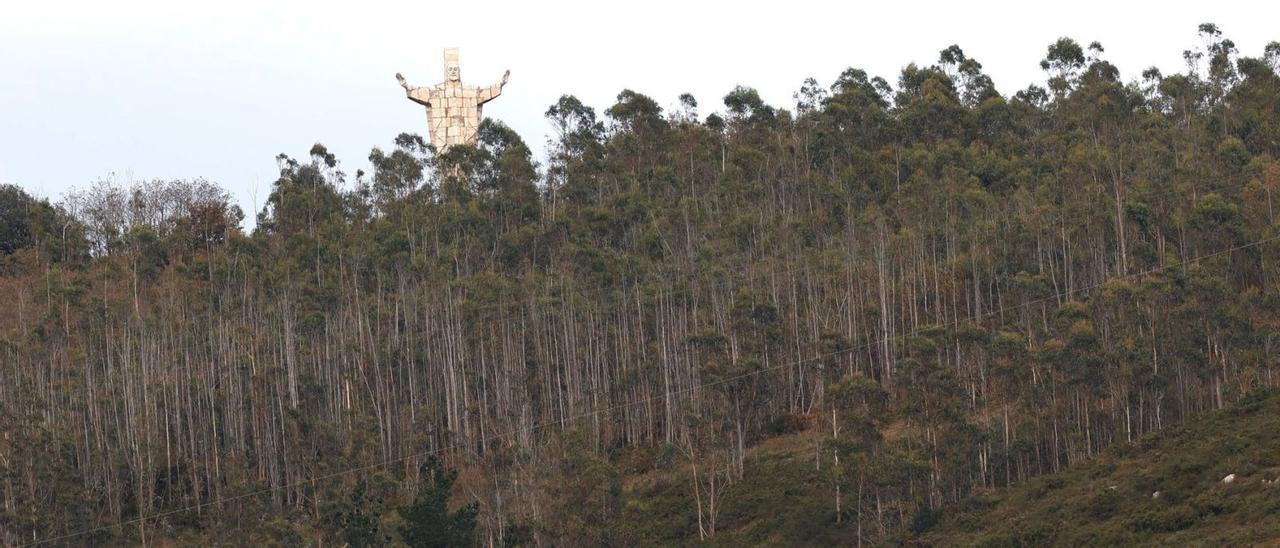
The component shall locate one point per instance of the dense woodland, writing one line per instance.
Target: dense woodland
(948, 286)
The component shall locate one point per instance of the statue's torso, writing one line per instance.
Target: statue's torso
(454, 115)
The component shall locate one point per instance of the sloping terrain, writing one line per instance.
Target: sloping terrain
(785, 499)
(664, 327)
(1112, 499)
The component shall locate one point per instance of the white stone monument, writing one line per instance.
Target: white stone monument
(453, 110)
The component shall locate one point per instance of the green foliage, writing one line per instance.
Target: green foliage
(948, 290)
(427, 520)
(14, 207)
(1114, 500)
(586, 491)
(359, 526)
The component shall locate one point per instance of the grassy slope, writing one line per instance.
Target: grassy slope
(784, 500)
(1108, 500)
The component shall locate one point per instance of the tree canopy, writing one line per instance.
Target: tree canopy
(953, 287)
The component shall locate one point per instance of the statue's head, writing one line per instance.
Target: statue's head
(451, 71)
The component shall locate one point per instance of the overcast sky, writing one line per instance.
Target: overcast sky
(135, 90)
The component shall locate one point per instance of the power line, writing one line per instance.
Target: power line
(571, 418)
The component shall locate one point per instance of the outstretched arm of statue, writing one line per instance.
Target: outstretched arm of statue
(416, 94)
(487, 94)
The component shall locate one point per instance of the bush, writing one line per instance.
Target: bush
(925, 519)
(786, 423)
(1104, 504)
(1164, 520)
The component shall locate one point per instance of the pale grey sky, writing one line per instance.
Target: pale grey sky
(170, 89)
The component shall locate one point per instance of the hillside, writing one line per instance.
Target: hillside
(785, 498)
(1109, 500)
(932, 287)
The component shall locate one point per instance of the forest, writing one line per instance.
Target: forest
(929, 287)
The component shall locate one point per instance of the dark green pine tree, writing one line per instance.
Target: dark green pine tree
(359, 526)
(428, 522)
